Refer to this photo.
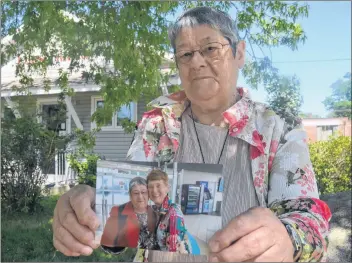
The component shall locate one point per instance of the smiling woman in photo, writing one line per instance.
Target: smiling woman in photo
(171, 232)
(131, 224)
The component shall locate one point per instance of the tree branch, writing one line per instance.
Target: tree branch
(250, 44)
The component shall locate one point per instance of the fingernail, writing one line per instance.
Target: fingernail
(214, 246)
(75, 254)
(87, 251)
(94, 244)
(213, 259)
(96, 224)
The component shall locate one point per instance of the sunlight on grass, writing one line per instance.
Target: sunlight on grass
(29, 238)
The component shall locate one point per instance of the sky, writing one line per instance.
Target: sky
(328, 31)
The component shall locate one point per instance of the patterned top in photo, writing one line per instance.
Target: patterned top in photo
(171, 233)
(146, 238)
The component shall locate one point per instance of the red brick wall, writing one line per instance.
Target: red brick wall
(311, 133)
(344, 128)
(348, 128)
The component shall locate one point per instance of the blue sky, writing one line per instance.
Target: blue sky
(328, 30)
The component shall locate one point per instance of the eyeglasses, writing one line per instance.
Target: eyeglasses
(209, 51)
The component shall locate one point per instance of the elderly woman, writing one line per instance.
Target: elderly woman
(271, 209)
(171, 232)
(131, 224)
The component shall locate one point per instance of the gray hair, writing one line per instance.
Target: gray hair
(206, 16)
(136, 181)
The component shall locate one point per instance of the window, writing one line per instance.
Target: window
(125, 112)
(54, 117)
(324, 132)
(7, 114)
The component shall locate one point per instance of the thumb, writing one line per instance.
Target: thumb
(82, 201)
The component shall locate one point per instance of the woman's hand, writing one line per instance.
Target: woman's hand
(75, 222)
(256, 236)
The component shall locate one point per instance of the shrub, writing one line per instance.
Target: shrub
(331, 160)
(83, 160)
(85, 167)
(28, 149)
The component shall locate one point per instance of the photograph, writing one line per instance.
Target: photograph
(173, 208)
(199, 199)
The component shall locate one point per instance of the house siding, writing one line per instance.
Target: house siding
(111, 145)
(114, 145)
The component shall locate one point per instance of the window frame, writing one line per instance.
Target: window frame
(323, 129)
(114, 126)
(53, 101)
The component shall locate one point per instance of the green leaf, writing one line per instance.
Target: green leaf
(133, 37)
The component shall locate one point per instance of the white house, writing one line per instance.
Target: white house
(112, 142)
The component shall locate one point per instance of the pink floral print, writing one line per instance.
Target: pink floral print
(273, 148)
(297, 205)
(259, 147)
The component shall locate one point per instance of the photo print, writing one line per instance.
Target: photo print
(173, 208)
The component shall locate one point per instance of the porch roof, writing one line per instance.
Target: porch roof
(9, 80)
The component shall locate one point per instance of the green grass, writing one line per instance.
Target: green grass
(29, 238)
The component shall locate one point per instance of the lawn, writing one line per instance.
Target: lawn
(29, 238)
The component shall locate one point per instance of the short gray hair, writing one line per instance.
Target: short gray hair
(206, 16)
(137, 181)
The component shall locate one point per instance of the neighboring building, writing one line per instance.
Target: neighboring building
(319, 129)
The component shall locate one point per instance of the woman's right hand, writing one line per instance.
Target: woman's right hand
(75, 222)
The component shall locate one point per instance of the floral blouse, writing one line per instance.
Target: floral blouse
(171, 231)
(146, 239)
(282, 172)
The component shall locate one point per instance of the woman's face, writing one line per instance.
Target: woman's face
(157, 191)
(208, 83)
(139, 197)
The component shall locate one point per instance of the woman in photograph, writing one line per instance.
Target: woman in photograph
(171, 232)
(270, 191)
(131, 224)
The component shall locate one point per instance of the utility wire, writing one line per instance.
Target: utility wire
(307, 61)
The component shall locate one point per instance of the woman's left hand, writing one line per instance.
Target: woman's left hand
(256, 236)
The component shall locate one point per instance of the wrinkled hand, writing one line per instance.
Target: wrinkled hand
(256, 236)
(75, 222)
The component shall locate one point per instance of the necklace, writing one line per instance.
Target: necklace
(200, 147)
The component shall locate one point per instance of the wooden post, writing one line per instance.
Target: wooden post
(13, 107)
(72, 113)
(56, 167)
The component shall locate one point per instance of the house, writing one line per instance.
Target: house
(319, 129)
(112, 143)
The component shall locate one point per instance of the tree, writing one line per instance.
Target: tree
(132, 37)
(339, 103)
(309, 115)
(284, 97)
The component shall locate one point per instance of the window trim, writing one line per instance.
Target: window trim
(114, 127)
(322, 130)
(53, 101)
(5, 107)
